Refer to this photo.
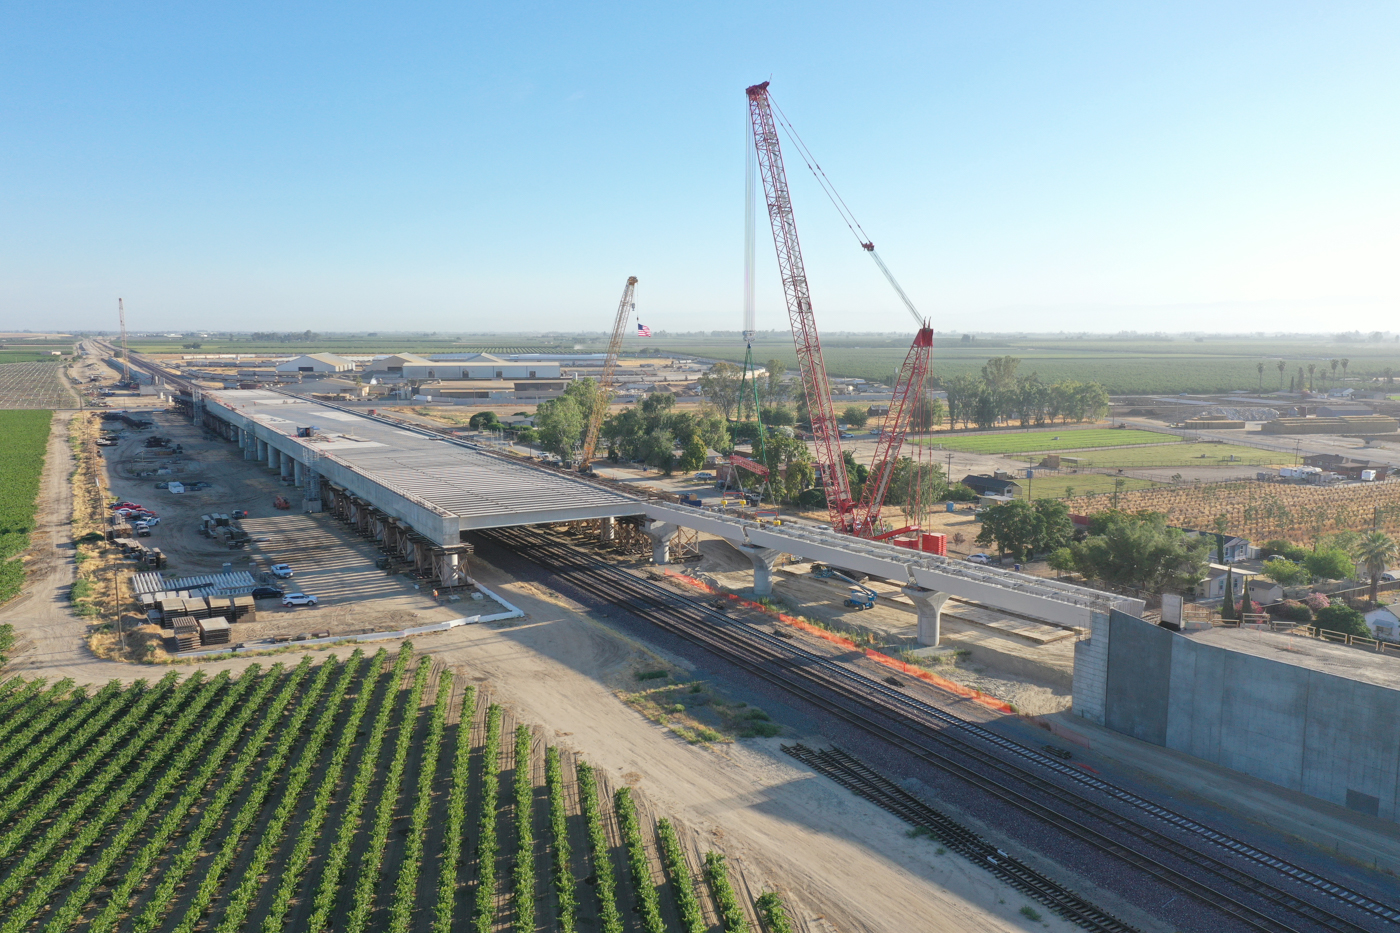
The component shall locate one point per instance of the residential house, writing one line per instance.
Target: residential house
(985, 485)
(1384, 624)
(1213, 586)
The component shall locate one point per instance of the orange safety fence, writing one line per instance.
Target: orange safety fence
(942, 683)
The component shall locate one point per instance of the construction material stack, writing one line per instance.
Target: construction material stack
(184, 635)
(213, 631)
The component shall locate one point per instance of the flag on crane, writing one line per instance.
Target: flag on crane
(643, 330)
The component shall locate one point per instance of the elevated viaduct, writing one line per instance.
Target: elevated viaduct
(419, 493)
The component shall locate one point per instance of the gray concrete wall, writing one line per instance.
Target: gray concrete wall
(1310, 731)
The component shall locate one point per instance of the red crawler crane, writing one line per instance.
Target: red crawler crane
(799, 301)
(908, 390)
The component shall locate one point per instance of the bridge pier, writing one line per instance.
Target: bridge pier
(661, 534)
(606, 533)
(929, 605)
(260, 450)
(296, 472)
(764, 560)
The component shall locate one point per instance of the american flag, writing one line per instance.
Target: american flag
(643, 330)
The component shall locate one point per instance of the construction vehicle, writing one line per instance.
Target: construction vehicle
(859, 595)
(280, 502)
(825, 431)
(605, 382)
(863, 518)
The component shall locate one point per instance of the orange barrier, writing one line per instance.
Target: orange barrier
(941, 683)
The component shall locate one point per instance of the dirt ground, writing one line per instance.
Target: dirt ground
(1032, 675)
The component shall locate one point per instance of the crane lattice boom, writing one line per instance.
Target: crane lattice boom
(908, 390)
(799, 301)
(604, 397)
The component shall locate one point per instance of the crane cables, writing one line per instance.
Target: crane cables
(866, 243)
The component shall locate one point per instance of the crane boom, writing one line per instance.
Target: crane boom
(799, 302)
(908, 390)
(604, 397)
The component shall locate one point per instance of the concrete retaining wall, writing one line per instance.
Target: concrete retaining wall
(1307, 730)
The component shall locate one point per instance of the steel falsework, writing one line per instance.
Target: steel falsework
(908, 391)
(604, 397)
(799, 301)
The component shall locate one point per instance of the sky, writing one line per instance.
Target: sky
(1040, 166)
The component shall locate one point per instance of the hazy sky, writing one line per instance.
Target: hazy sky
(1038, 165)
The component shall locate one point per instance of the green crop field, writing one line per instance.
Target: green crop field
(1063, 485)
(29, 356)
(26, 435)
(1172, 455)
(369, 793)
(1015, 442)
(1124, 367)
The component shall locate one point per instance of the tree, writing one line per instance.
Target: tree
(658, 449)
(1261, 376)
(693, 457)
(1061, 560)
(775, 391)
(999, 379)
(559, 423)
(1281, 366)
(483, 421)
(1055, 528)
(778, 415)
(927, 414)
(721, 387)
(1375, 551)
(855, 416)
(1328, 563)
(1286, 573)
(915, 486)
(1344, 619)
(1334, 364)
(962, 392)
(1141, 551)
(1312, 371)
(1345, 363)
(799, 476)
(1012, 526)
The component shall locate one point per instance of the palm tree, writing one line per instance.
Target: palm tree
(1335, 364)
(1345, 363)
(1312, 370)
(1375, 551)
(1281, 365)
(1261, 377)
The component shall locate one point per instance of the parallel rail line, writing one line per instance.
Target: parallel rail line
(797, 669)
(885, 794)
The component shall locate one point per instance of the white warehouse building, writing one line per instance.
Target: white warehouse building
(481, 366)
(316, 363)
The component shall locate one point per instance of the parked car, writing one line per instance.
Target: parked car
(125, 505)
(847, 434)
(162, 485)
(980, 558)
(281, 571)
(266, 592)
(240, 513)
(150, 518)
(298, 599)
(705, 475)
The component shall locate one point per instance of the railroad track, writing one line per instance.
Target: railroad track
(950, 743)
(856, 776)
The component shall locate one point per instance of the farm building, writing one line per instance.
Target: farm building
(985, 485)
(1346, 466)
(316, 363)
(393, 365)
(481, 366)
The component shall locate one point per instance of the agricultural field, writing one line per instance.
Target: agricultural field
(35, 386)
(26, 436)
(1047, 439)
(1124, 367)
(1261, 511)
(1171, 455)
(30, 356)
(1063, 485)
(370, 793)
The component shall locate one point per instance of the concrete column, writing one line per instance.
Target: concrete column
(929, 605)
(661, 534)
(274, 458)
(296, 471)
(605, 531)
(764, 559)
(284, 465)
(262, 449)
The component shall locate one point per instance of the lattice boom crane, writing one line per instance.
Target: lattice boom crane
(600, 407)
(799, 302)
